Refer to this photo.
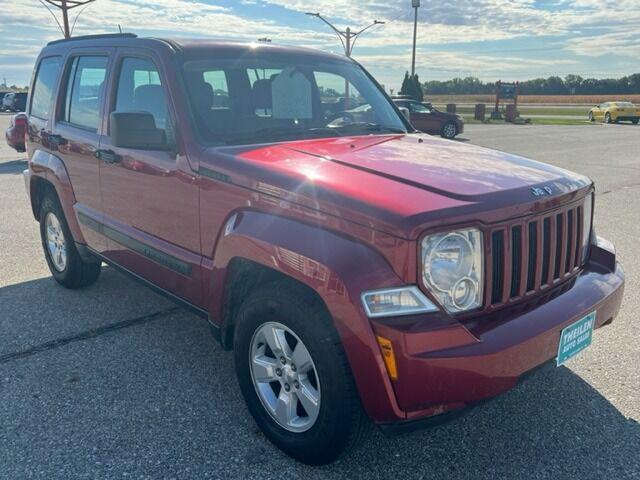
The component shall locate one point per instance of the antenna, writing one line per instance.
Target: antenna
(65, 6)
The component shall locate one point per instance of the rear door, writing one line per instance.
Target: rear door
(77, 132)
(150, 196)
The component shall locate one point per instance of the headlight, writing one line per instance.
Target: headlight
(452, 268)
(396, 302)
(587, 225)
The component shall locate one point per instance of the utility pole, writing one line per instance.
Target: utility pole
(65, 6)
(416, 5)
(348, 39)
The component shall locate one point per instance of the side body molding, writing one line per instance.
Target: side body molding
(336, 267)
(51, 168)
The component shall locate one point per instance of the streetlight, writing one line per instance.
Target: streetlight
(347, 37)
(65, 6)
(416, 5)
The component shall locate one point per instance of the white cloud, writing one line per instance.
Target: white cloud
(593, 28)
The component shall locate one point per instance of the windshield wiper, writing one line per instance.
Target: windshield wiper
(370, 127)
(276, 134)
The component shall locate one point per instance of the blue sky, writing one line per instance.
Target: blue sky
(489, 39)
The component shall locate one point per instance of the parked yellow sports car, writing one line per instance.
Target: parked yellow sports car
(614, 112)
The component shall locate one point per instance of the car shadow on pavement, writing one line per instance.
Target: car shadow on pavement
(13, 167)
(157, 398)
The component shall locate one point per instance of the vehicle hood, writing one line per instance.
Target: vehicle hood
(405, 179)
(451, 168)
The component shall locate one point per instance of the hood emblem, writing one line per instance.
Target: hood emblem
(541, 191)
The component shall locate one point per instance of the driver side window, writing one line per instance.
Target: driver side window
(140, 90)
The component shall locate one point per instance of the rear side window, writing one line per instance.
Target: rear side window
(44, 86)
(140, 90)
(85, 91)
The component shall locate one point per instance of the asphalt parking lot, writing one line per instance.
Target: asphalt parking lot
(114, 381)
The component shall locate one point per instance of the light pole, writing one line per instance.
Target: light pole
(348, 39)
(65, 6)
(416, 5)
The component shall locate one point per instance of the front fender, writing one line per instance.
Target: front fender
(338, 268)
(51, 168)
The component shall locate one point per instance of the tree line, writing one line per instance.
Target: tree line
(569, 85)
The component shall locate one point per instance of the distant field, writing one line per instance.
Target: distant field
(536, 99)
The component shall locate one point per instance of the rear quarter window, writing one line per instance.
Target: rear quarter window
(44, 87)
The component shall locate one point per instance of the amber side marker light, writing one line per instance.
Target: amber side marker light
(389, 357)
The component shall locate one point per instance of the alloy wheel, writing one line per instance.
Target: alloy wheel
(449, 131)
(285, 377)
(56, 244)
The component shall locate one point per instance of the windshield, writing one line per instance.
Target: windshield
(263, 98)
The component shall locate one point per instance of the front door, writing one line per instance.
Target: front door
(423, 118)
(150, 197)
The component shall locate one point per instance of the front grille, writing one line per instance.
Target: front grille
(531, 255)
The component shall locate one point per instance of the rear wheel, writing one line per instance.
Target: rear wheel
(607, 118)
(65, 263)
(294, 375)
(635, 122)
(591, 117)
(449, 130)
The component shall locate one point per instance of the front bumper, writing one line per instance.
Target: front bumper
(454, 366)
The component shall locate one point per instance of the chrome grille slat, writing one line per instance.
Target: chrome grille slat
(526, 257)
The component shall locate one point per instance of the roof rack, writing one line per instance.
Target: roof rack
(95, 37)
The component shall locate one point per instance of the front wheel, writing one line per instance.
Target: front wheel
(294, 375)
(591, 117)
(65, 263)
(607, 118)
(635, 122)
(449, 131)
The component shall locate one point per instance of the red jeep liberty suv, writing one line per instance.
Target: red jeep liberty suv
(362, 272)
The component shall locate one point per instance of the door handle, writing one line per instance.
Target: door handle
(107, 156)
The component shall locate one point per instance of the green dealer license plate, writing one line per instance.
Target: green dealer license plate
(575, 338)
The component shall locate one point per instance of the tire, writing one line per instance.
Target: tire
(65, 263)
(607, 118)
(449, 131)
(340, 423)
(635, 122)
(591, 117)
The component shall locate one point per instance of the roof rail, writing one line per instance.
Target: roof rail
(94, 37)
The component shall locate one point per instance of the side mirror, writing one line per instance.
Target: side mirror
(136, 130)
(405, 111)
